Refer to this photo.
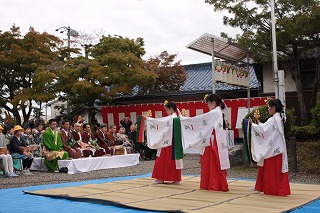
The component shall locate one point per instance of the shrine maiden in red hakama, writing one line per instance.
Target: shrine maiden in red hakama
(159, 136)
(205, 132)
(269, 150)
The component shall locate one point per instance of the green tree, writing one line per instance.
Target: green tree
(170, 74)
(123, 67)
(24, 76)
(80, 82)
(113, 69)
(298, 29)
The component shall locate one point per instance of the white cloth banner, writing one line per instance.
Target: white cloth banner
(267, 140)
(197, 133)
(98, 163)
(231, 74)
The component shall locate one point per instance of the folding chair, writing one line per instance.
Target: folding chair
(41, 155)
(1, 168)
(17, 164)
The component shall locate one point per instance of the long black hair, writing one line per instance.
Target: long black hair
(216, 98)
(172, 105)
(277, 104)
(279, 108)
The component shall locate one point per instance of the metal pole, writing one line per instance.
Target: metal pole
(282, 93)
(274, 51)
(213, 68)
(46, 111)
(69, 36)
(248, 89)
(69, 46)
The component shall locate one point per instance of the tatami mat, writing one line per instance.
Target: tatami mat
(140, 193)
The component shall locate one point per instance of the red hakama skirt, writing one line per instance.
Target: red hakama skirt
(212, 177)
(270, 179)
(165, 168)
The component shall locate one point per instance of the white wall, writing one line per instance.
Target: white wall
(268, 83)
(55, 112)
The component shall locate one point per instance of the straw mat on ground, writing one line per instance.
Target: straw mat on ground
(141, 193)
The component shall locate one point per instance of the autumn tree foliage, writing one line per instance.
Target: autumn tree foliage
(170, 74)
(122, 64)
(24, 76)
(36, 67)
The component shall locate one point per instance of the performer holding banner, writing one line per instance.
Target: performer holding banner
(160, 137)
(206, 132)
(268, 147)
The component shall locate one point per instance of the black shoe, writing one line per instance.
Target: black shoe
(153, 157)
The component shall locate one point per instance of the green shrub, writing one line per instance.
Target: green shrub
(308, 157)
(305, 133)
(315, 113)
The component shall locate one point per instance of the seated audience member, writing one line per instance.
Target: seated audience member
(124, 138)
(10, 133)
(67, 142)
(37, 133)
(53, 149)
(6, 157)
(89, 139)
(37, 136)
(18, 152)
(132, 135)
(112, 133)
(103, 140)
(39, 128)
(126, 123)
(27, 135)
(76, 135)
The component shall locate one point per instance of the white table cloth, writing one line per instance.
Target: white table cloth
(97, 163)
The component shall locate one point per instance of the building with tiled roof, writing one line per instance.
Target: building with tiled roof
(198, 83)
(199, 78)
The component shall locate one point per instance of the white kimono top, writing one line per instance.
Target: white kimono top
(159, 131)
(197, 133)
(267, 140)
(159, 134)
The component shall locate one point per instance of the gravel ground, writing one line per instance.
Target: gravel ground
(191, 167)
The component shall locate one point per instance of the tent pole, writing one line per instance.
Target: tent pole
(248, 89)
(213, 68)
(274, 51)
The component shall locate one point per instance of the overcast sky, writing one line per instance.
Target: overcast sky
(163, 24)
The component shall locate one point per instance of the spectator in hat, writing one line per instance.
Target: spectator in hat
(18, 152)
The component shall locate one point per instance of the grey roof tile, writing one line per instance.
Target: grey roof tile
(199, 78)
